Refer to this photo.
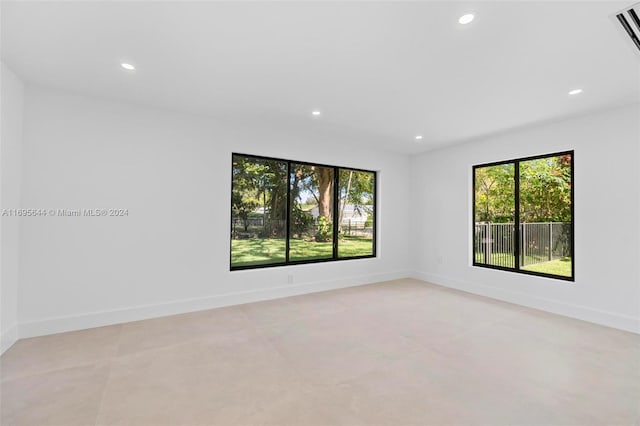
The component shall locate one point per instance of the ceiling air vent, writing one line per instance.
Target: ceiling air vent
(630, 21)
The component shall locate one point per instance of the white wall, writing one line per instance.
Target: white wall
(171, 254)
(607, 285)
(11, 108)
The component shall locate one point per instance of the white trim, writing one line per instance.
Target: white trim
(584, 313)
(136, 313)
(8, 338)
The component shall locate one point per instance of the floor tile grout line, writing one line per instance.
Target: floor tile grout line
(299, 375)
(143, 352)
(108, 381)
(304, 379)
(103, 393)
(265, 340)
(476, 329)
(65, 367)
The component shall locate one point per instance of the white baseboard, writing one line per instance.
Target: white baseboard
(136, 313)
(609, 319)
(8, 338)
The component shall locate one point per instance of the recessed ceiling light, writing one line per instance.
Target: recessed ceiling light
(575, 91)
(127, 66)
(419, 137)
(315, 113)
(466, 19)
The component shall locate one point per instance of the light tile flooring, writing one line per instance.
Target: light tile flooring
(397, 353)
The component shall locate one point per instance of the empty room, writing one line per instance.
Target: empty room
(320, 213)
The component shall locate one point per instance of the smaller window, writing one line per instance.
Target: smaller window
(523, 215)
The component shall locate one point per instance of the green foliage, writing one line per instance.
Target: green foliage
(495, 200)
(242, 207)
(301, 220)
(325, 229)
(356, 188)
(258, 183)
(545, 191)
(259, 188)
(360, 185)
(244, 198)
(312, 185)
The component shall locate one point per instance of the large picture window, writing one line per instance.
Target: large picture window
(523, 215)
(287, 212)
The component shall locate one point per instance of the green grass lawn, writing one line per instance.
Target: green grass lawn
(560, 267)
(355, 246)
(498, 259)
(309, 250)
(257, 251)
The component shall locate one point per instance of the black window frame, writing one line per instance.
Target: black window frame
(517, 249)
(336, 189)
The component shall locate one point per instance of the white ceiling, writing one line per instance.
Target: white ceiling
(380, 72)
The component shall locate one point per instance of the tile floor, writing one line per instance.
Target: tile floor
(395, 353)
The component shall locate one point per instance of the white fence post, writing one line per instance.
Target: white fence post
(487, 242)
(524, 245)
(550, 241)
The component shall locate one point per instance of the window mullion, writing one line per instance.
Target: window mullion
(288, 214)
(336, 194)
(516, 197)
